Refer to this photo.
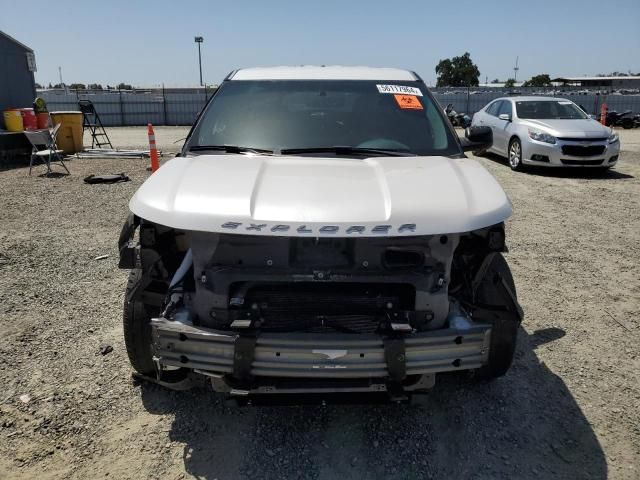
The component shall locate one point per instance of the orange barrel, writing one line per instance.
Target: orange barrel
(70, 133)
(43, 120)
(13, 120)
(29, 119)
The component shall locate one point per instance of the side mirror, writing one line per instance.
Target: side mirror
(477, 138)
(505, 116)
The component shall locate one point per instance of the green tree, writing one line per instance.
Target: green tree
(495, 80)
(457, 72)
(124, 86)
(78, 86)
(541, 80)
(510, 83)
(95, 86)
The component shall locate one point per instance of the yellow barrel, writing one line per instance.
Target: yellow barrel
(70, 133)
(13, 120)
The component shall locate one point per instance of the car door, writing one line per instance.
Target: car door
(488, 119)
(502, 129)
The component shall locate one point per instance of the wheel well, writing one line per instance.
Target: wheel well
(515, 136)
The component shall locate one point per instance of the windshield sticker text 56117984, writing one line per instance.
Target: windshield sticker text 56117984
(401, 89)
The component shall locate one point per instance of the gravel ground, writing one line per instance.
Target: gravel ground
(569, 407)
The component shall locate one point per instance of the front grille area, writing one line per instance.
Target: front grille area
(291, 322)
(319, 307)
(582, 150)
(571, 139)
(582, 162)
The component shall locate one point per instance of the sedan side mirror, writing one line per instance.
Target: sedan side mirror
(477, 138)
(505, 116)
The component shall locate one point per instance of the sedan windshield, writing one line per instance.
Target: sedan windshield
(549, 110)
(359, 117)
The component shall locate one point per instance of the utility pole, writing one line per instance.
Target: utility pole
(60, 74)
(199, 40)
(515, 71)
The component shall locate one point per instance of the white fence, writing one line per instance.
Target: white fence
(122, 108)
(168, 107)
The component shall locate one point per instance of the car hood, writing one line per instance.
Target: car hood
(581, 128)
(321, 197)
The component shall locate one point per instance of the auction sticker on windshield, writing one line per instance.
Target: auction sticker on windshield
(401, 89)
(408, 102)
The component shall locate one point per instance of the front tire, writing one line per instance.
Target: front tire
(496, 291)
(515, 155)
(136, 319)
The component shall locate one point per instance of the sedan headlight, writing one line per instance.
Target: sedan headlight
(613, 138)
(541, 136)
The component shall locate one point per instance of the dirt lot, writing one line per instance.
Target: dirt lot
(569, 407)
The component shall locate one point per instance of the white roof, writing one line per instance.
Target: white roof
(321, 72)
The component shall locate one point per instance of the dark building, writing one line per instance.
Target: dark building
(17, 84)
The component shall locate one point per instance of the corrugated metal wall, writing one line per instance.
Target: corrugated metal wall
(181, 108)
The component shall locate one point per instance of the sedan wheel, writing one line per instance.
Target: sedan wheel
(515, 155)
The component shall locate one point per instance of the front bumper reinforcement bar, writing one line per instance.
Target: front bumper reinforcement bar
(312, 355)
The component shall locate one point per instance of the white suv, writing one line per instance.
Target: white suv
(321, 231)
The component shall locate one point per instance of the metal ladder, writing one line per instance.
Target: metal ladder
(99, 137)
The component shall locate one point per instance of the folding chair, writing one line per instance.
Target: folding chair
(44, 148)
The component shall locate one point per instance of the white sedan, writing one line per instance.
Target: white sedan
(547, 131)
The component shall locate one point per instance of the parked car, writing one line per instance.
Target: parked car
(547, 131)
(321, 231)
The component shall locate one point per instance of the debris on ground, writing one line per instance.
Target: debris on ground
(105, 349)
(112, 178)
(109, 153)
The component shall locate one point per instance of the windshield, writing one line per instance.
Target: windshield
(549, 109)
(311, 114)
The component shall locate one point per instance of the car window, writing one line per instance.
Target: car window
(505, 107)
(549, 109)
(300, 114)
(493, 108)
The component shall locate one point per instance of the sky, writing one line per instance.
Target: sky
(148, 43)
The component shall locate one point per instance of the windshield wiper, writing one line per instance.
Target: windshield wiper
(346, 150)
(228, 149)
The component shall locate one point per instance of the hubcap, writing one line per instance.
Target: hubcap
(514, 154)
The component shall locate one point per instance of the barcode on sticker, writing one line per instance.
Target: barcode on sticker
(402, 89)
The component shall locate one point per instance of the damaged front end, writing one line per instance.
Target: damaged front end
(265, 314)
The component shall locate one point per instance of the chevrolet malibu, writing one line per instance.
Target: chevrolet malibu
(547, 131)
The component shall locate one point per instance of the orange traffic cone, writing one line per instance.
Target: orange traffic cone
(153, 152)
(603, 114)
